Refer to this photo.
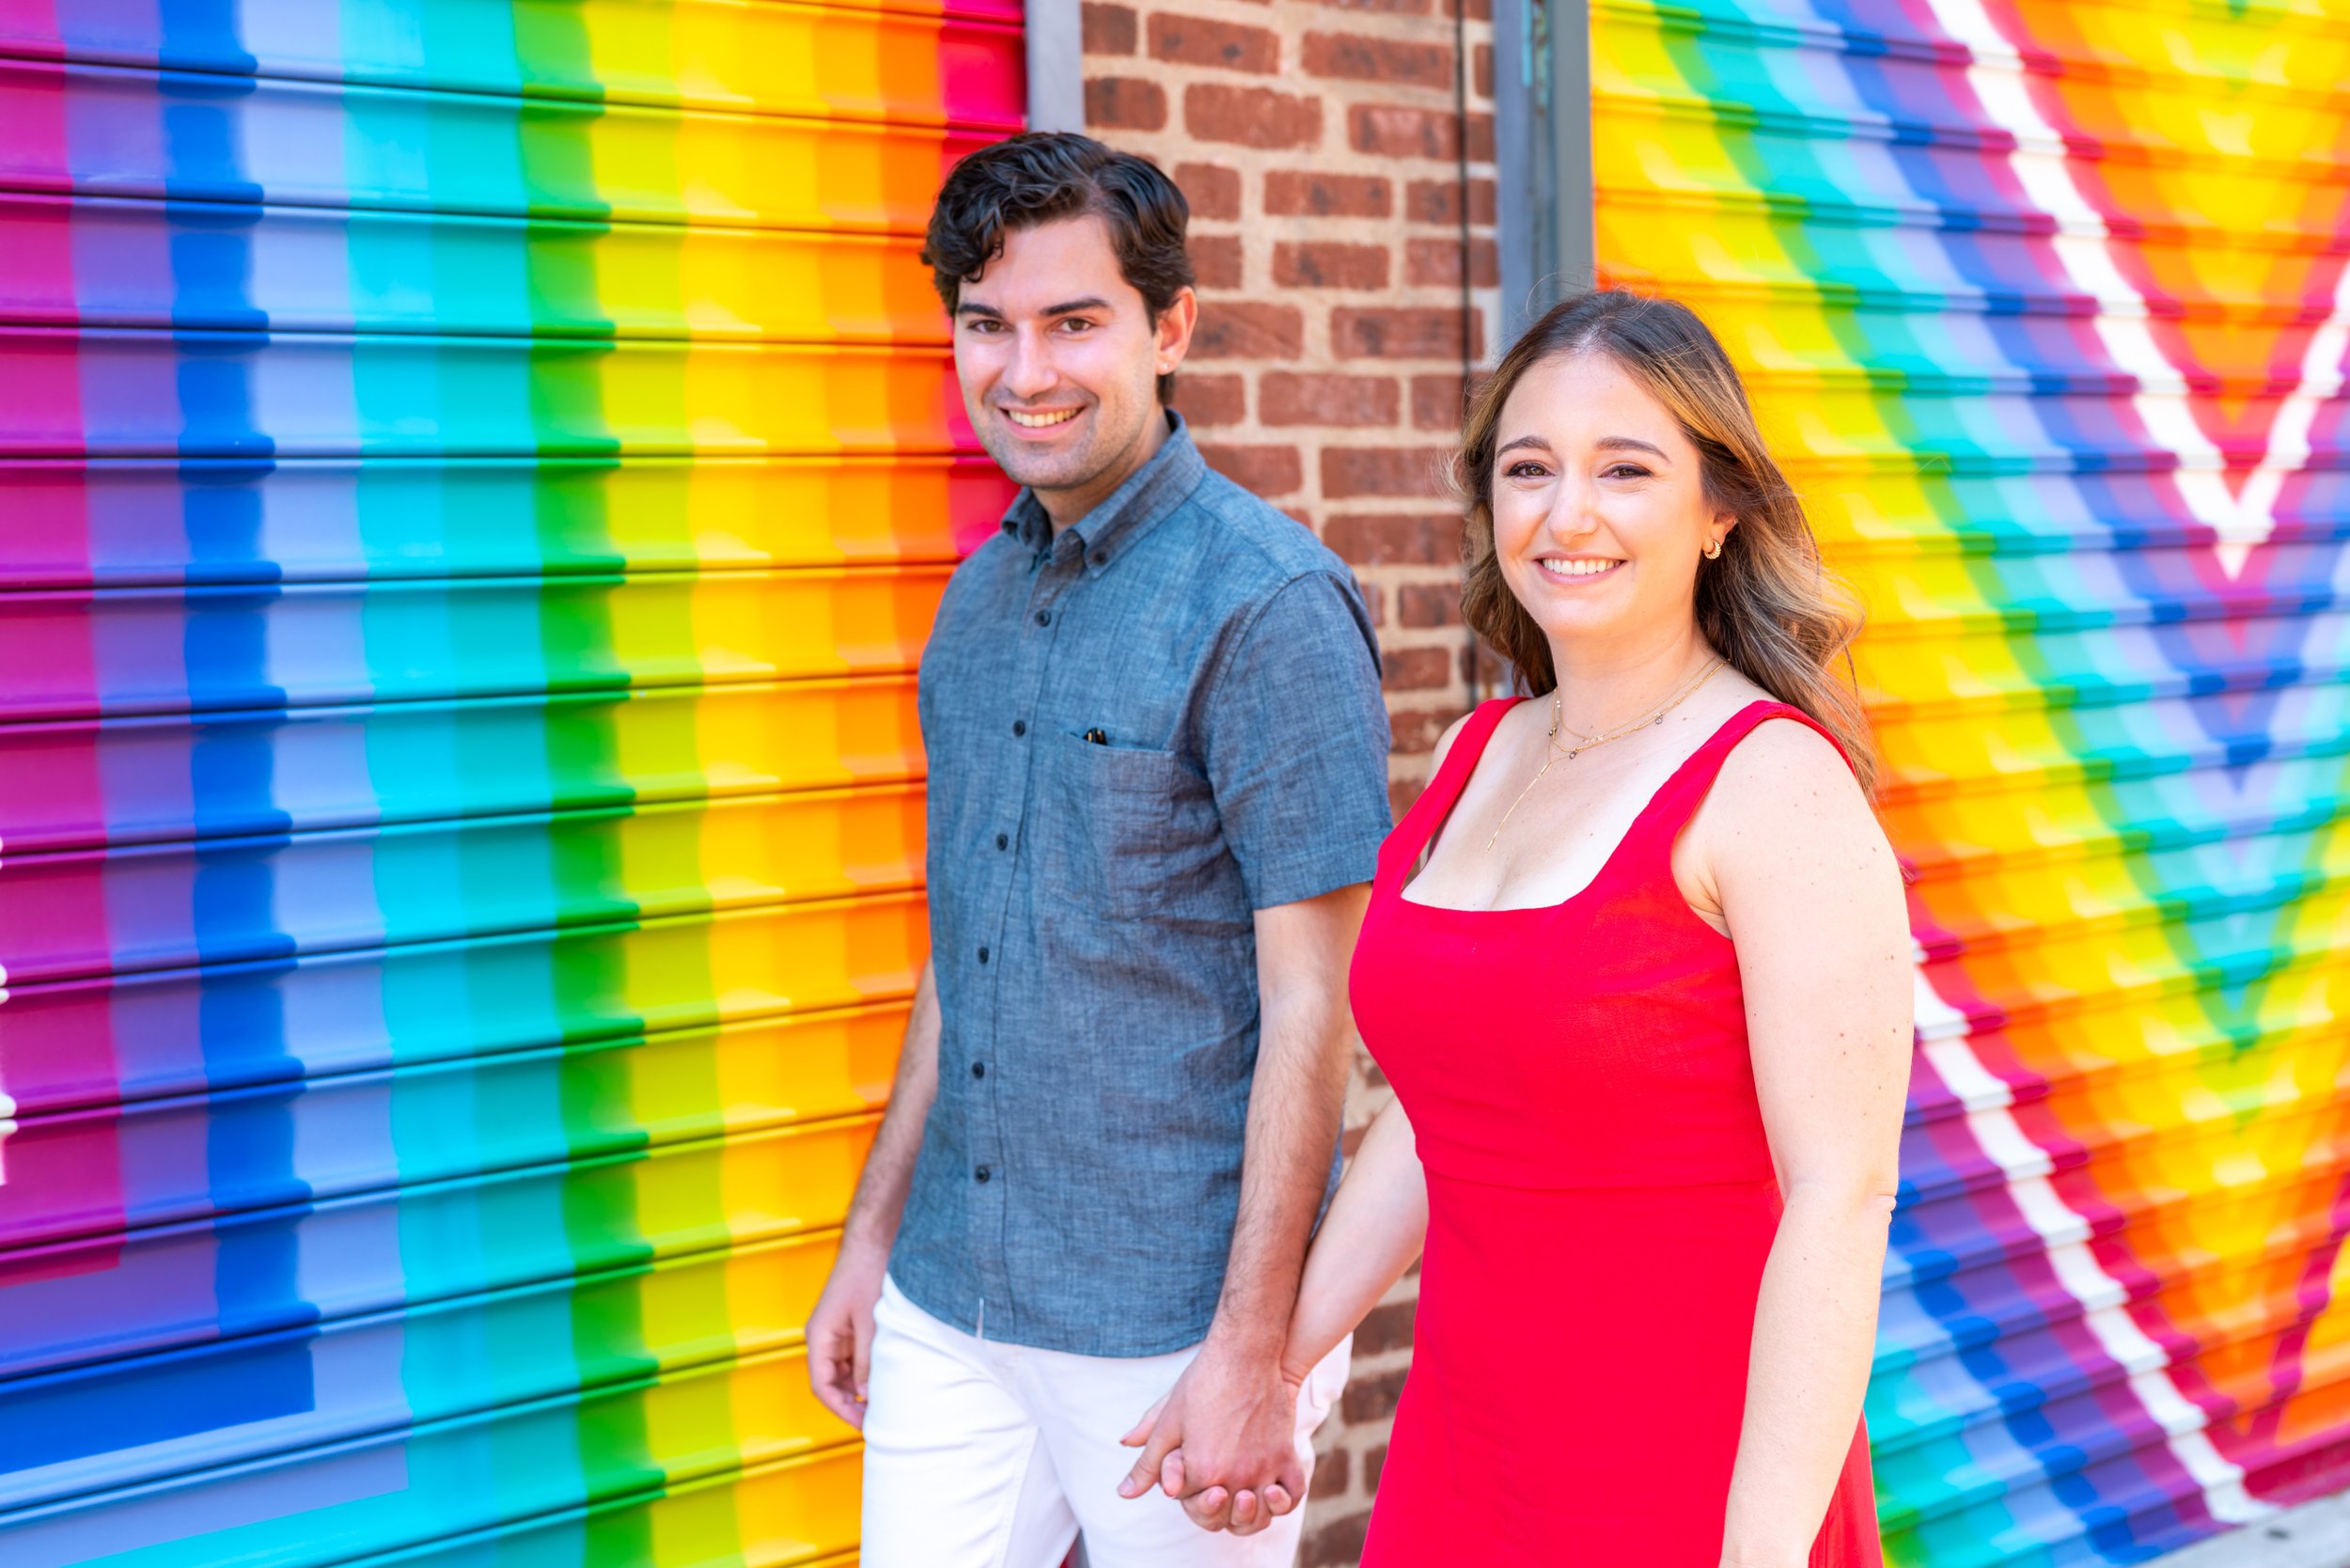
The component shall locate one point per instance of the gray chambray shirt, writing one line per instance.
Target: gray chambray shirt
(1091, 904)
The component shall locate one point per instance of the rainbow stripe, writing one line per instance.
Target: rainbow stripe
(2048, 302)
(476, 479)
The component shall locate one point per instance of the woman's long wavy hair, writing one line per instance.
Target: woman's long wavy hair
(1767, 605)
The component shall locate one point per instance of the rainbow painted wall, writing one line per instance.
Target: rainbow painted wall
(473, 479)
(2048, 300)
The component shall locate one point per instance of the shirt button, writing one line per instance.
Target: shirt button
(1100, 557)
(1020, 727)
(983, 955)
(1003, 841)
(1044, 617)
(978, 1070)
(980, 1175)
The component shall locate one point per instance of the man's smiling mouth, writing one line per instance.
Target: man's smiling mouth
(1043, 420)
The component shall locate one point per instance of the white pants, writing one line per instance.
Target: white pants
(987, 1455)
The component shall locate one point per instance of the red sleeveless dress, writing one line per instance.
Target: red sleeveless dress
(1601, 1201)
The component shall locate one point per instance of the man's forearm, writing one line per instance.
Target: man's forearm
(1295, 1105)
(881, 1191)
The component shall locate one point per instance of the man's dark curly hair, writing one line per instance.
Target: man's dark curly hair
(1044, 176)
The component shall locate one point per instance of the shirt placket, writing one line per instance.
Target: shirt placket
(1058, 572)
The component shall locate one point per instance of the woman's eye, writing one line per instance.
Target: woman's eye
(1524, 471)
(1624, 471)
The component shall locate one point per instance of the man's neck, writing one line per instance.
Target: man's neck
(1076, 503)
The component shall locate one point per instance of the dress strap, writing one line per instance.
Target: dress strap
(1428, 813)
(1670, 809)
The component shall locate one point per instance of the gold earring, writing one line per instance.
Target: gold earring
(1713, 549)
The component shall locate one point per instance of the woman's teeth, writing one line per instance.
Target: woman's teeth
(1039, 421)
(1578, 568)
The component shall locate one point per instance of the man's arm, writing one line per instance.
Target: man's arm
(841, 1330)
(1234, 1412)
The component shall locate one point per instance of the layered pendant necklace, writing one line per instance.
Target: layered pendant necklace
(1586, 743)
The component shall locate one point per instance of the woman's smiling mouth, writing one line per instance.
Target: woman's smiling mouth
(1578, 568)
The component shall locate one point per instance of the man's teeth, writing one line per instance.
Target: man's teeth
(1039, 421)
(1578, 568)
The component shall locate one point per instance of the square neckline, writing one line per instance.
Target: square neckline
(1401, 889)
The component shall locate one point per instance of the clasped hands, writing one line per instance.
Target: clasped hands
(1223, 1442)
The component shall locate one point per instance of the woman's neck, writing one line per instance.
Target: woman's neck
(1603, 687)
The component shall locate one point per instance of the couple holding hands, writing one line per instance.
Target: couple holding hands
(1636, 963)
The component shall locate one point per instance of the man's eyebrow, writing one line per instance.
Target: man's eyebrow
(975, 310)
(1069, 307)
(1629, 444)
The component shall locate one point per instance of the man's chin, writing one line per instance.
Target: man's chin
(1044, 469)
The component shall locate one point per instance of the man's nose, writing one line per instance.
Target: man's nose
(1031, 373)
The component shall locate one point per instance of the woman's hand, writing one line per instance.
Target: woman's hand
(1241, 1493)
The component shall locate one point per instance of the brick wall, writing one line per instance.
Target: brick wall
(1339, 160)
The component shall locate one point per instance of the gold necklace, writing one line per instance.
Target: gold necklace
(1586, 743)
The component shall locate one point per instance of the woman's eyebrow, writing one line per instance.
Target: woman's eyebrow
(1535, 442)
(1628, 444)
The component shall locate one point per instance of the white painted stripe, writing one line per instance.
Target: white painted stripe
(2083, 244)
(2065, 1232)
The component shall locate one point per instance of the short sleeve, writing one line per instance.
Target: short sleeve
(1296, 743)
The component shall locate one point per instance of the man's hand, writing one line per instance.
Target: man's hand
(840, 1331)
(1223, 1443)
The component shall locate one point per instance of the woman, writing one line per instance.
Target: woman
(1638, 966)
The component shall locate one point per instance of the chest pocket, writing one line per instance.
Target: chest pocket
(1136, 831)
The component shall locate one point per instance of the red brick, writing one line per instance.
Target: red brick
(1124, 103)
(1480, 138)
(1213, 190)
(1388, 333)
(1428, 605)
(1351, 56)
(1402, 131)
(1417, 730)
(1389, 8)
(1335, 1544)
(1265, 470)
(1373, 1462)
(1216, 259)
(1385, 1329)
(1251, 116)
(1374, 602)
(1387, 539)
(1212, 399)
(1350, 471)
(1284, 397)
(1246, 329)
(1437, 402)
(1329, 265)
(1299, 193)
(1401, 793)
(1411, 669)
(1330, 1474)
(1108, 29)
(1372, 1397)
(1439, 202)
(1437, 263)
(1481, 70)
(1196, 41)
(1482, 670)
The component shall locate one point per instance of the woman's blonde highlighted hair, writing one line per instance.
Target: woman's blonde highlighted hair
(1768, 605)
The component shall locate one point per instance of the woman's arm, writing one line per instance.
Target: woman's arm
(1372, 1234)
(1812, 897)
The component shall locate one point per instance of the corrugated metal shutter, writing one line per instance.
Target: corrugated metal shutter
(2047, 300)
(473, 478)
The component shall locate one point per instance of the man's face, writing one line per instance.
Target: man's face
(1059, 359)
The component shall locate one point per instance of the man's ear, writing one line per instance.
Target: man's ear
(1176, 324)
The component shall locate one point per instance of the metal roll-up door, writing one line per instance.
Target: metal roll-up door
(2045, 301)
(473, 479)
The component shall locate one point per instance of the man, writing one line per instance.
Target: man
(1158, 783)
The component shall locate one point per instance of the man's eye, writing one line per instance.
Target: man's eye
(1073, 325)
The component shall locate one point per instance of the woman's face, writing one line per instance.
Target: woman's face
(1600, 513)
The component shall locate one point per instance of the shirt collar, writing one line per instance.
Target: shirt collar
(1131, 510)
